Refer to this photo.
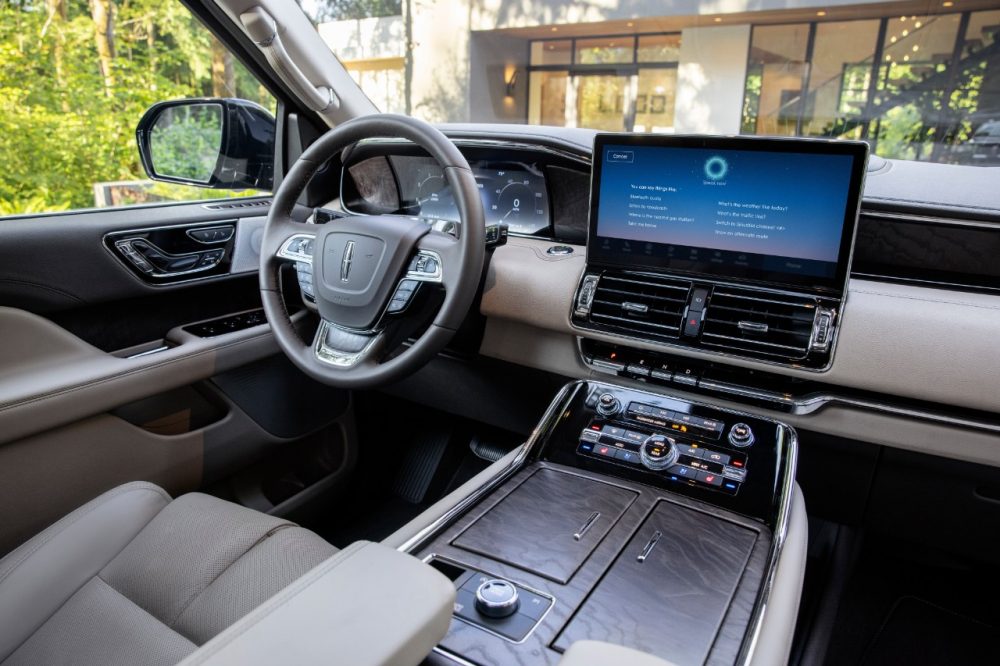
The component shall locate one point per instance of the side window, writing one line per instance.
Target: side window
(75, 79)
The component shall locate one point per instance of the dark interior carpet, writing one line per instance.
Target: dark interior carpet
(405, 464)
(918, 633)
(907, 604)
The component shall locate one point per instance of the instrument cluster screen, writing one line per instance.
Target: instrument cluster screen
(513, 193)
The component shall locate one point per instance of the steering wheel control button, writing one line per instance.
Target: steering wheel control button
(404, 293)
(497, 598)
(608, 405)
(658, 452)
(740, 435)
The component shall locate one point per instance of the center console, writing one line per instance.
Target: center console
(631, 517)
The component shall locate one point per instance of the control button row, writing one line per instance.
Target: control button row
(676, 472)
(305, 276)
(666, 418)
(685, 376)
(404, 294)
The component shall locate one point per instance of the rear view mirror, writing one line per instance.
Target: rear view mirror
(214, 143)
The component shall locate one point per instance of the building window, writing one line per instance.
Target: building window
(915, 87)
(382, 80)
(614, 83)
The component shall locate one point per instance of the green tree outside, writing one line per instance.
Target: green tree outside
(76, 76)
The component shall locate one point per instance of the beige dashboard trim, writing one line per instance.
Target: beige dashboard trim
(901, 340)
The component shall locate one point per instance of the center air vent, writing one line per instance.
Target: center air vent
(759, 323)
(640, 304)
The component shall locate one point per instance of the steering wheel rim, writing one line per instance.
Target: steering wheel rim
(354, 361)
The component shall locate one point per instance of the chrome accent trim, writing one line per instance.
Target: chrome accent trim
(427, 277)
(345, 263)
(285, 252)
(749, 341)
(752, 326)
(230, 227)
(551, 415)
(125, 248)
(337, 357)
(758, 299)
(452, 657)
(778, 537)
(579, 534)
(648, 548)
(638, 308)
(583, 299)
(829, 316)
(149, 351)
(806, 405)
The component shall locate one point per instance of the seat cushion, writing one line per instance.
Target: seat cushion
(190, 569)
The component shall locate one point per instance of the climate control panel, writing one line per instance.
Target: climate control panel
(733, 459)
(680, 446)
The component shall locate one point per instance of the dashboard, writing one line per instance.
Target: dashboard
(910, 339)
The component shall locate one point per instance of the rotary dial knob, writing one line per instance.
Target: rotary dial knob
(658, 452)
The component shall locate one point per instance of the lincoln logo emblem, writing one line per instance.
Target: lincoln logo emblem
(345, 264)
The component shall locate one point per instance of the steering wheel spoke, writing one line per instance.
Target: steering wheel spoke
(438, 255)
(340, 348)
(298, 247)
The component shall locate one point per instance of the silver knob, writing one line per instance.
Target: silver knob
(741, 435)
(497, 598)
(658, 452)
(608, 405)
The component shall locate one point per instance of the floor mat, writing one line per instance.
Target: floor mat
(917, 632)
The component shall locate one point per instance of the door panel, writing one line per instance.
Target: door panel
(54, 262)
(98, 361)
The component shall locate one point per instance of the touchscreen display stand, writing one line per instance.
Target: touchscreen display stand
(704, 234)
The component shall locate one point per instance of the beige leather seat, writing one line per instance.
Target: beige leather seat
(135, 578)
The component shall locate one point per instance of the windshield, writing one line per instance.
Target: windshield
(916, 80)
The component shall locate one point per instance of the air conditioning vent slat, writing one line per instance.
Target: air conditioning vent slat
(656, 285)
(641, 305)
(750, 314)
(624, 292)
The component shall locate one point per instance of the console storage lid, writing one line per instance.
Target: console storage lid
(670, 588)
(549, 524)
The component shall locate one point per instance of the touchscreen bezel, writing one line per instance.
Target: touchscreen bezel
(858, 150)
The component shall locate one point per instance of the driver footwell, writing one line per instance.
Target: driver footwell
(409, 457)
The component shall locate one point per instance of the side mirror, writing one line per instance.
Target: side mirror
(214, 143)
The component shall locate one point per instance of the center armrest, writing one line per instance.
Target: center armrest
(366, 605)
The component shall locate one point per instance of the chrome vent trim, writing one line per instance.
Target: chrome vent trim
(640, 304)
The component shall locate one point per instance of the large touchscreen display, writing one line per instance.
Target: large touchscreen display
(776, 211)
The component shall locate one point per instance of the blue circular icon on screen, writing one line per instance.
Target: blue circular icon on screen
(716, 168)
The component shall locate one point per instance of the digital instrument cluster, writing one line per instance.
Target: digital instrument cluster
(513, 193)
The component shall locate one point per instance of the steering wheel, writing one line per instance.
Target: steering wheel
(367, 269)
